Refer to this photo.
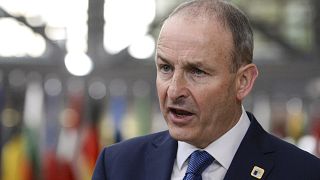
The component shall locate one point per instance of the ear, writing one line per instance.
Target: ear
(246, 77)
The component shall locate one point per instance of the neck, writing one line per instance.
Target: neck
(234, 119)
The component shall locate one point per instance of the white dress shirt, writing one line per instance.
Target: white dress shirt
(223, 150)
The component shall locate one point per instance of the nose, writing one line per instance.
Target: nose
(178, 89)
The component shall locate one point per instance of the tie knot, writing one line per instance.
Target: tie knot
(198, 162)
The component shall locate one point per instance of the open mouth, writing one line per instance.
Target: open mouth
(180, 113)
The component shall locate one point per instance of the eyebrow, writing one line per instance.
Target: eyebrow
(188, 64)
(201, 66)
(159, 56)
(195, 64)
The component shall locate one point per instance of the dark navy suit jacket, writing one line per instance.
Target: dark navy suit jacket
(152, 157)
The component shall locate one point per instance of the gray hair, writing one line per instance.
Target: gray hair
(230, 17)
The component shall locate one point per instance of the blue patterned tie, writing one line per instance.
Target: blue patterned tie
(198, 162)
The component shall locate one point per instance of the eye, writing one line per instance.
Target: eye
(197, 72)
(165, 68)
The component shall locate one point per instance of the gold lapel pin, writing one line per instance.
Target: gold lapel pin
(257, 172)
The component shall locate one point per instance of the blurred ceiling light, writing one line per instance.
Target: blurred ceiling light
(77, 37)
(22, 7)
(125, 23)
(35, 21)
(38, 47)
(78, 63)
(56, 13)
(53, 86)
(31, 10)
(294, 105)
(142, 48)
(61, 13)
(97, 90)
(55, 33)
(19, 40)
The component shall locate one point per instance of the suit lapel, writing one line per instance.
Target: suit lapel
(255, 155)
(160, 158)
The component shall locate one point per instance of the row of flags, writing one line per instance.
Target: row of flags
(293, 120)
(50, 130)
(49, 136)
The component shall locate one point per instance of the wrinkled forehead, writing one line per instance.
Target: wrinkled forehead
(190, 29)
(182, 23)
(194, 38)
(202, 10)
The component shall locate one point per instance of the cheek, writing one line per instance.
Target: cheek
(206, 102)
(161, 90)
(159, 86)
(211, 100)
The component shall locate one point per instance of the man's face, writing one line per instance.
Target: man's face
(197, 91)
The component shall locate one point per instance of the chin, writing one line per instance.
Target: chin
(180, 134)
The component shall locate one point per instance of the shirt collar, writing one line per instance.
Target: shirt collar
(223, 149)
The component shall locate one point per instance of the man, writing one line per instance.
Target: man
(204, 71)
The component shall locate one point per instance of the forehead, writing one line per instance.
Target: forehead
(185, 35)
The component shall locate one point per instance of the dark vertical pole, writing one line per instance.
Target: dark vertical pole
(316, 26)
(95, 30)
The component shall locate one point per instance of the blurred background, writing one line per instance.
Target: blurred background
(78, 75)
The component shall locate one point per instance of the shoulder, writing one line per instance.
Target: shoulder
(285, 156)
(130, 158)
(126, 156)
(269, 143)
(292, 153)
(139, 142)
(134, 147)
(292, 162)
